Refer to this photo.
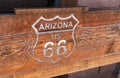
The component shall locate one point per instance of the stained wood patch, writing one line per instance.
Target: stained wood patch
(28, 40)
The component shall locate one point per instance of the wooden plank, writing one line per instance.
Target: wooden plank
(70, 68)
(30, 44)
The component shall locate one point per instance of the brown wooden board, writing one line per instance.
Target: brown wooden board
(57, 41)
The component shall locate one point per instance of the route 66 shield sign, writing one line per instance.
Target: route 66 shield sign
(54, 38)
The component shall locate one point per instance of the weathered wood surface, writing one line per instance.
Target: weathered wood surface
(97, 39)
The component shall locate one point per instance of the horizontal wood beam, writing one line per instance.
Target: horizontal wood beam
(71, 68)
(49, 42)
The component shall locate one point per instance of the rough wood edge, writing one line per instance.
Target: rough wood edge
(70, 68)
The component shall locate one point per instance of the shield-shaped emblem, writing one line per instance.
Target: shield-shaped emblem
(54, 38)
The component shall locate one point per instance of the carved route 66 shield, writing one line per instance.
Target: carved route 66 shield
(54, 38)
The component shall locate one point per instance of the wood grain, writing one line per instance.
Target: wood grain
(97, 42)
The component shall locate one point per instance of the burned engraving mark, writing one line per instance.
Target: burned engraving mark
(15, 49)
(55, 45)
(92, 38)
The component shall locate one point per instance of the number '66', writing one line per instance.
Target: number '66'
(49, 49)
